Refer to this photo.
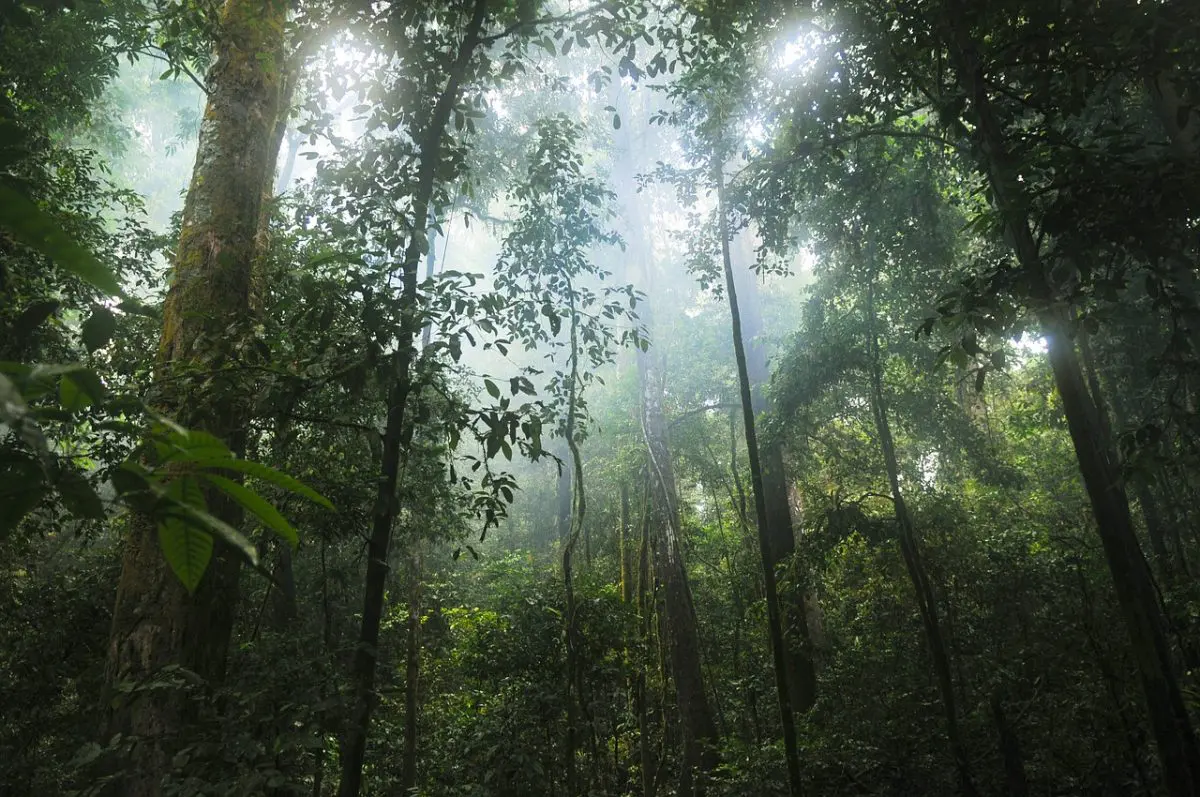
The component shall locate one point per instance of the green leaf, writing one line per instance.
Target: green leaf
(99, 328)
(186, 548)
(492, 389)
(202, 519)
(88, 381)
(22, 487)
(71, 397)
(31, 318)
(257, 505)
(77, 494)
(189, 445)
(38, 229)
(267, 474)
(616, 122)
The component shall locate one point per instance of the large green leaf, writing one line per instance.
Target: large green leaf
(218, 528)
(71, 397)
(186, 531)
(78, 495)
(267, 474)
(256, 504)
(187, 549)
(189, 446)
(38, 229)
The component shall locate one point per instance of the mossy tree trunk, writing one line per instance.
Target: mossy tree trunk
(206, 321)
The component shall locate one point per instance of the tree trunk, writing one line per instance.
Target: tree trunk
(578, 509)
(910, 549)
(781, 540)
(430, 270)
(682, 637)
(430, 145)
(683, 640)
(1010, 750)
(765, 534)
(640, 697)
(1132, 582)
(155, 621)
(623, 543)
(412, 676)
(562, 519)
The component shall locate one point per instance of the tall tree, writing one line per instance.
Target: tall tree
(430, 143)
(665, 528)
(770, 583)
(781, 532)
(910, 549)
(1094, 448)
(206, 323)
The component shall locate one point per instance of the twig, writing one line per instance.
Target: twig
(162, 55)
(698, 410)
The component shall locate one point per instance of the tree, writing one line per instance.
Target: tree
(775, 621)
(206, 323)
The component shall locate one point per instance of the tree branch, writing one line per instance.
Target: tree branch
(683, 416)
(163, 55)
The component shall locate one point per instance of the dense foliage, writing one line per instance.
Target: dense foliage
(518, 397)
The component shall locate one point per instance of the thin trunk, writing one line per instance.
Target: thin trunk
(155, 622)
(1010, 750)
(283, 600)
(578, 507)
(283, 605)
(430, 145)
(562, 520)
(774, 618)
(800, 672)
(1132, 582)
(736, 473)
(644, 591)
(430, 270)
(1114, 413)
(623, 545)
(683, 641)
(327, 650)
(910, 549)
(412, 676)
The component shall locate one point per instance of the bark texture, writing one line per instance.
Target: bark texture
(155, 622)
